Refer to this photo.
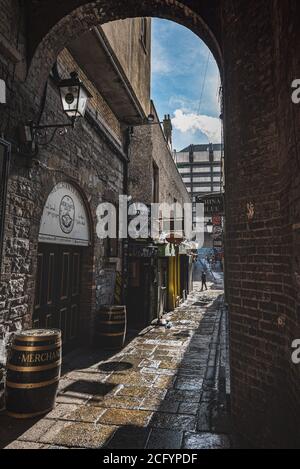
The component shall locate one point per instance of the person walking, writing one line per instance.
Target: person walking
(203, 279)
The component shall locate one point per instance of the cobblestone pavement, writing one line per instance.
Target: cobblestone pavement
(165, 390)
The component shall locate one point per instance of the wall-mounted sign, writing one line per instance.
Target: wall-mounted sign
(144, 251)
(166, 250)
(65, 219)
(213, 204)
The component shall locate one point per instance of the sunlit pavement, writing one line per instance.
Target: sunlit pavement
(168, 389)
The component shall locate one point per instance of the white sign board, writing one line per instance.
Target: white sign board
(65, 219)
(2, 92)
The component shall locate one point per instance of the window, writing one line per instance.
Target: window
(202, 189)
(182, 157)
(144, 33)
(184, 170)
(111, 245)
(217, 156)
(201, 156)
(155, 184)
(202, 179)
(4, 166)
(201, 169)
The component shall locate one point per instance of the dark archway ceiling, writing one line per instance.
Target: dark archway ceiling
(42, 15)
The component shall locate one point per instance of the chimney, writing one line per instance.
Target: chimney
(167, 125)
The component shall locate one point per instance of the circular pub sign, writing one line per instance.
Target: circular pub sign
(67, 214)
(65, 219)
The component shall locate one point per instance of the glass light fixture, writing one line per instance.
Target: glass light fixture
(74, 96)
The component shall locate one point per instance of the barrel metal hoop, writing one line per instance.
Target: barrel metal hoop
(26, 416)
(28, 369)
(110, 334)
(111, 312)
(41, 338)
(36, 349)
(111, 322)
(32, 385)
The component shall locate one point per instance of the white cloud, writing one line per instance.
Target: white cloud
(189, 122)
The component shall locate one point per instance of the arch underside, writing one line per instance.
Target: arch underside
(65, 21)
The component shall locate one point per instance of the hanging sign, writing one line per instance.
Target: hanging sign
(136, 250)
(166, 250)
(65, 219)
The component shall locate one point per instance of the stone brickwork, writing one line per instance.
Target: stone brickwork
(149, 147)
(259, 60)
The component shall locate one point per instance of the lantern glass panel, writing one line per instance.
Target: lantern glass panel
(70, 100)
(83, 100)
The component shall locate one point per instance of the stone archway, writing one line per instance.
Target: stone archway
(255, 39)
(70, 23)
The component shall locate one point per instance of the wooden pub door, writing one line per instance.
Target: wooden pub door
(57, 299)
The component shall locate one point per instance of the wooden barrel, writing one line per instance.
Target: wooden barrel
(111, 325)
(33, 372)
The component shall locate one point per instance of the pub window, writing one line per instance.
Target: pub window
(4, 166)
(155, 184)
(111, 245)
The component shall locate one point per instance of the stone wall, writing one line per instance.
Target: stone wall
(134, 55)
(91, 157)
(259, 40)
(148, 146)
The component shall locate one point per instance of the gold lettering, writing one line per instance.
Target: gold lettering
(37, 358)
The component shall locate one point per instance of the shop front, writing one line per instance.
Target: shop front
(64, 241)
(142, 291)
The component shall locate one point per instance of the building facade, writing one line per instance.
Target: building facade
(55, 271)
(162, 279)
(201, 169)
(262, 177)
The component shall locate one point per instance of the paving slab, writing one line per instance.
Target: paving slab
(164, 390)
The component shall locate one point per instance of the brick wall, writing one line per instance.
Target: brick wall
(260, 40)
(91, 157)
(148, 146)
(97, 104)
(260, 254)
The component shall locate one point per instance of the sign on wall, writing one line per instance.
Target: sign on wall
(105, 286)
(65, 219)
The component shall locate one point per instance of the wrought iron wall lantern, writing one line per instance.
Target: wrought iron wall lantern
(74, 98)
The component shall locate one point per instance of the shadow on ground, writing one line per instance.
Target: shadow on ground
(189, 409)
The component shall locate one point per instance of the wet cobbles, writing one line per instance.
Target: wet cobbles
(162, 391)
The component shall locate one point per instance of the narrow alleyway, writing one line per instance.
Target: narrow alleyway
(168, 389)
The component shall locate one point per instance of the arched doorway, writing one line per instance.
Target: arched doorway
(63, 238)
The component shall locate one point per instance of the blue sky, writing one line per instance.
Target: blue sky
(179, 61)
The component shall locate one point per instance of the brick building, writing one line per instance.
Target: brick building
(55, 272)
(201, 168)
(254, 44)
(154, 178)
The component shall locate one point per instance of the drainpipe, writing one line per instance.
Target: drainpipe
(127, 142)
